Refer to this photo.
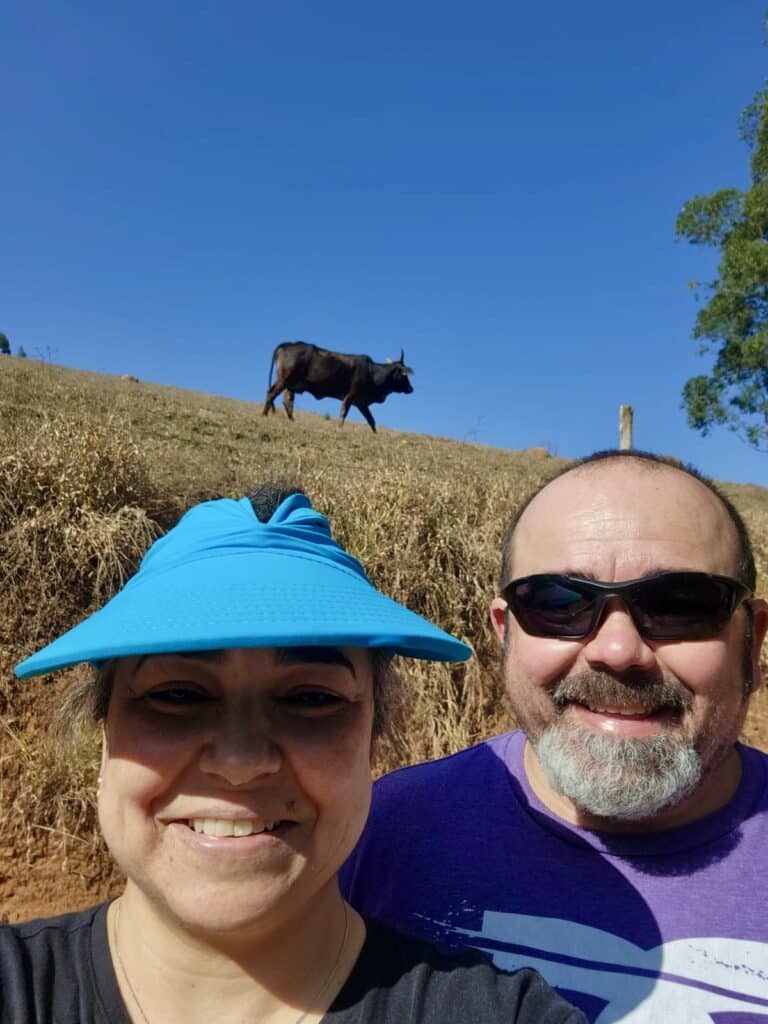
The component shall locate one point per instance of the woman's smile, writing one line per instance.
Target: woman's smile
(256, 843)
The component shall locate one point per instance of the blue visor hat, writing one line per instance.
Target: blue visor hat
(222, 578)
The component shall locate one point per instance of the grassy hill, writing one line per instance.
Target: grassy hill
(93, 467)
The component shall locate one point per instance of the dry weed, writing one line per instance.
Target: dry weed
(70, 464)
(73, 521)
(56, 790)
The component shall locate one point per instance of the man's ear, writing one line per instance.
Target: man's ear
(498, 612)
(759, 627)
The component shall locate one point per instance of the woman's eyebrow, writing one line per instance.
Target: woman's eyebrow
(313, 655)
(283, 656)
(211, 656)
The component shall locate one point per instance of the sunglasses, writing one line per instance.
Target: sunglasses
(665, 606)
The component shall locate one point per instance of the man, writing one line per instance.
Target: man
(619, 842)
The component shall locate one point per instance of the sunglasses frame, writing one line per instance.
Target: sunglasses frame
(602, 592)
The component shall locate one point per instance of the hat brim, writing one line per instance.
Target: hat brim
(253, 601)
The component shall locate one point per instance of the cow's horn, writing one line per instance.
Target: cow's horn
(402, 357)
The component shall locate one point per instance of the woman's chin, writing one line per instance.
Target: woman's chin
(225, 915)
(215, 907)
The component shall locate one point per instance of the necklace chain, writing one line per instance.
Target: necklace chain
(302, 1016)
(131, 989)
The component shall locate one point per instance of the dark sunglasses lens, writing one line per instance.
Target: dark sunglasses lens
(553, 608)
(685, 606)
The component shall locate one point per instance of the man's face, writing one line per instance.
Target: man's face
(625, 728)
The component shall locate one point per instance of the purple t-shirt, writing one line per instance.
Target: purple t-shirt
(662, 928)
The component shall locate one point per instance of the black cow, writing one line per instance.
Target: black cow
(357, 380)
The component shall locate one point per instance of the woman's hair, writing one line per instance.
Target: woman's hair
(87, 701)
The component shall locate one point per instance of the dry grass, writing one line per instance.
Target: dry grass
(58, 794)
(73, 521)
(92, 467)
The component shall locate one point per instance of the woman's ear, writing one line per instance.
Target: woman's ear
(104, 757)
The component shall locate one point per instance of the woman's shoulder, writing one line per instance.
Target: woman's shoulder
(52, 968)
(405, 979)
(50, 929)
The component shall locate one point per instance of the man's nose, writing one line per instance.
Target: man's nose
(241, 748)
(616, 645)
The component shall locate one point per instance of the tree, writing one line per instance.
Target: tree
(735, 319)
(21, 353)
(5, 345)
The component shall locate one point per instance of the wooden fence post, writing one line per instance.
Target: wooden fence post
(626, 413)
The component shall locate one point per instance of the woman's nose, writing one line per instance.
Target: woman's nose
(241, 749)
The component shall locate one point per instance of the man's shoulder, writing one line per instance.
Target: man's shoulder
(488, 756)
(754, 770)
(753, 755)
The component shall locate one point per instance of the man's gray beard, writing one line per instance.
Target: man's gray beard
(613, 777)
(627, 780)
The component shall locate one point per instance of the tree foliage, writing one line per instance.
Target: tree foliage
(5, 345)
(733, 324)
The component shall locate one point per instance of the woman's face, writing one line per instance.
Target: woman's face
(235, 783)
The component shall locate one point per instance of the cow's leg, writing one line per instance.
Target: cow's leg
(344, 409)
(288, 403)
(367, 413)
(269, 401)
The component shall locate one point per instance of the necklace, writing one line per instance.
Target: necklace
(302, 1016)
(122, 965)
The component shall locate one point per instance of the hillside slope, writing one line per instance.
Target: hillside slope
(91, 467)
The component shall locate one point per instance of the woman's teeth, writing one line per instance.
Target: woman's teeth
(223, 827)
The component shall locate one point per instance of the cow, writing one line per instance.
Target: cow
(356, 380)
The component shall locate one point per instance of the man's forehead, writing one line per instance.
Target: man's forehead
(623, 517)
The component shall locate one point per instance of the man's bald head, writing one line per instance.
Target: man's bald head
(743, 568)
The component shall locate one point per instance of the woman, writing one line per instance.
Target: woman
(241, 675)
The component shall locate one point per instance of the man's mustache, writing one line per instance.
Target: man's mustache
(603, 689)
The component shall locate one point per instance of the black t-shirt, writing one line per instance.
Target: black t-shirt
(59, 971)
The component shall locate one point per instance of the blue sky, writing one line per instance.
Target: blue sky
(492, 186)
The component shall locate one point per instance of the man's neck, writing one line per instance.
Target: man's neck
(714, 792)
